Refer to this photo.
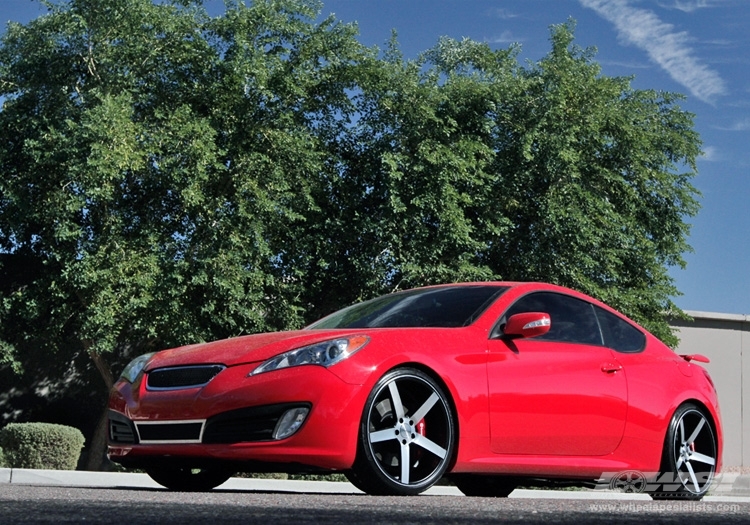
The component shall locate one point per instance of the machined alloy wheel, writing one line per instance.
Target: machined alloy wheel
(186, 479)
(690, 453)
(407, 435)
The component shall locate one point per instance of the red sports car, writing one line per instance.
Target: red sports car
(490, 384)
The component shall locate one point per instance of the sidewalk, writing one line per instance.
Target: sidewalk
(732, 487)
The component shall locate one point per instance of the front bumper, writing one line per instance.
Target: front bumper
(231, 420)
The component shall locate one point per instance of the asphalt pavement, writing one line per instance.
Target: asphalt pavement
(730, 487)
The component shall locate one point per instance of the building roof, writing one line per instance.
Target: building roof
(715, 316)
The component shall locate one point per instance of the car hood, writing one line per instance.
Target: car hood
(242, 350)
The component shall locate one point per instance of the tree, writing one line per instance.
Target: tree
(156, 162)
(464, 165)
(597, 179)
(407, 194)
(169, 177)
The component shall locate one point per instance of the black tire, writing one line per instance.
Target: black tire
(689, 460)
(483, 486)
(407, 435)
(186, 479)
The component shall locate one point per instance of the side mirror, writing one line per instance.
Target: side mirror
(530, 324)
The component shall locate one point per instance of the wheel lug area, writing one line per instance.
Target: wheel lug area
(405, 431)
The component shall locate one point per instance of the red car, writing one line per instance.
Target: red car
(490, 384)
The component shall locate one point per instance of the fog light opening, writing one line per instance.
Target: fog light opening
(290, 422)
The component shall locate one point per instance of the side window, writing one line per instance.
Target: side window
(573, 320)
(620, 335)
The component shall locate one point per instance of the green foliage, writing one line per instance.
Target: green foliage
(341, 478)
(464, 165)
(156, 172)
(2, 459)
(190, 177)
(41, 446)
(597, 184)
(303, 477)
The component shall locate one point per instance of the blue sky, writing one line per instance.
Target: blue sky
(700, 48)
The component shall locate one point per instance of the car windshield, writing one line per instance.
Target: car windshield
(449, 306)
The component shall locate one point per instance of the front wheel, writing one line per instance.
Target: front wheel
(407, 435)
(186, 479)
(690, 454)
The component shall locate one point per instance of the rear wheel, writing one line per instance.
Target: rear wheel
(406, 437)
(483, 486)
(186, 479)
(690, 453)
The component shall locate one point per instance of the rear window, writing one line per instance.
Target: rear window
(618, 334)
(447, 307)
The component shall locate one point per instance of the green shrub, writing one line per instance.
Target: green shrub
(41, 446)
(319, 477)
(2, 459)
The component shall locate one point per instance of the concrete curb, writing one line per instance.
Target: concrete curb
(731, 484)
(731, 487)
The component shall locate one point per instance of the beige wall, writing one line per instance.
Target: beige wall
(725, 340)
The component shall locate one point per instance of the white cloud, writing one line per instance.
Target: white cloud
(665, 46)
(506, 37)
(740, 125)
(503, 14)
(710, 154)
(688, 6)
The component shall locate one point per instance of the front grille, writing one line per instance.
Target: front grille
(246, 424)
(182, 377)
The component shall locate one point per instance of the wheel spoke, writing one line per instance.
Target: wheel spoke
(405, 464)
(396, 397)
(426, 406)
(679, 442)
(430, 446)
(702, 458)
(382, 435)
(692, 477)
(696, 431)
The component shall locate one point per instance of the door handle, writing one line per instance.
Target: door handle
(611, 368)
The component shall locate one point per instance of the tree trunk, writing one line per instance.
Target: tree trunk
(98, 444)
(97, 453)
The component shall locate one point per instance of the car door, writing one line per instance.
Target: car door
(563, 393)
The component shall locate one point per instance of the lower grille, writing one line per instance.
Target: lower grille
(121, 430)
(246, 424)
(170, 431)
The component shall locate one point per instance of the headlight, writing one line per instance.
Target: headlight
(135, 367)
(325, 354)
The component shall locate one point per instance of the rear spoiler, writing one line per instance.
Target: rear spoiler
(695, 357)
